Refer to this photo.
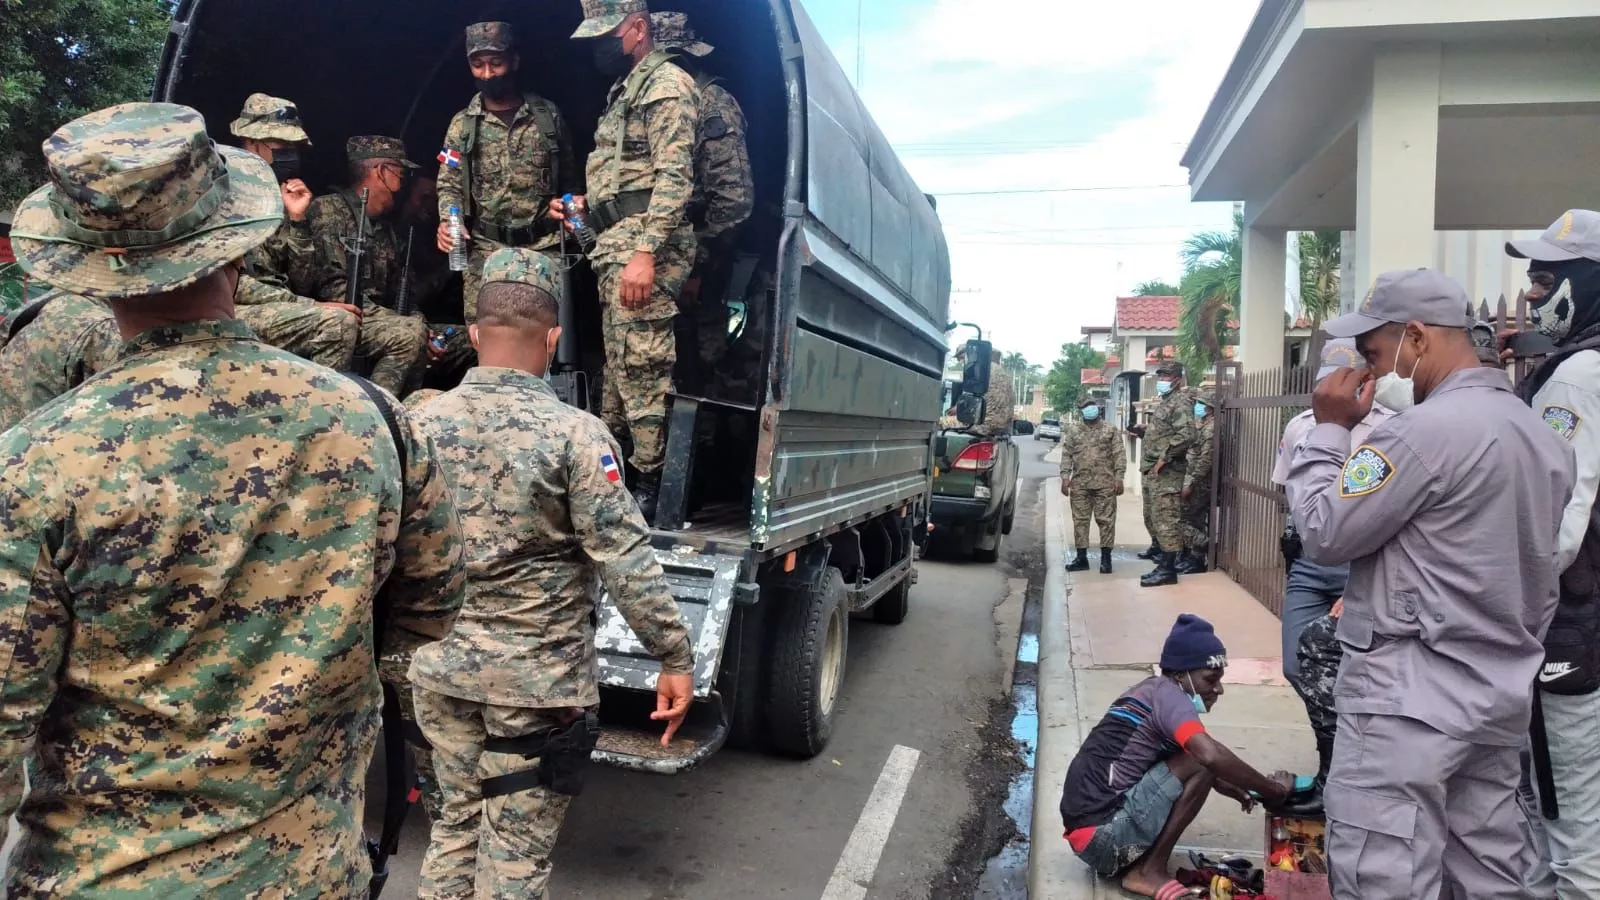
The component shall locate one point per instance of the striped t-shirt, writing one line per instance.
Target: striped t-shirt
(1145, 726)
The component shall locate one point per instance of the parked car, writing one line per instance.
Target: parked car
(1049, 430)
(974, 475)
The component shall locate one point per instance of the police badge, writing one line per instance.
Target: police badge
(1365, 471)
(1562, 420)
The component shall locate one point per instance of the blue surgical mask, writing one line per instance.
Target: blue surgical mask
(1200, 410)
(1194, 696)
(1163, 388)
(1090, 413)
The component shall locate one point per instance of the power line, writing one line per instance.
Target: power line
(1064, 190)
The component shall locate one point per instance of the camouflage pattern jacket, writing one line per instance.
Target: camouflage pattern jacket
(1000, 404)
(189, 552)
(724, 188)
(333, 221)
(72, 338)
(1200, 453)
(287, 260)
(514, 171)
(646, 143)
(1169, 431)
(1092, 456)
(544, 511)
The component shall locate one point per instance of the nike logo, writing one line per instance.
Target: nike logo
(1552, 671)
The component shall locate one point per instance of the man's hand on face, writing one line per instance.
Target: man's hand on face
(673, 695)
(1344, 398)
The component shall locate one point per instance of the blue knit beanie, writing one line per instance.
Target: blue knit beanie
(1192, 644)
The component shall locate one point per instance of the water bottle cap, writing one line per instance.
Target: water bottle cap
(567, 199)
(455, 210)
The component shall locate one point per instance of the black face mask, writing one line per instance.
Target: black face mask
(285, 163)
(609, 57)
(500, 87)
(1570, 311)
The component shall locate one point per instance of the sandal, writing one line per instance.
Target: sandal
(1175, 890)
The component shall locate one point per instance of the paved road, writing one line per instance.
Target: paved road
(748, 826)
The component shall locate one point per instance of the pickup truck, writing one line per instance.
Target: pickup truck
(1049, 430)
(975, 475)
(798, 491)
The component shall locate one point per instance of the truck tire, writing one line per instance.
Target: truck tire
(892, 607)
(810, 633)
(991, 553)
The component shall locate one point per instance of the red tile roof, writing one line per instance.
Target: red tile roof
(1148, 313)
(1112, 362)
(1092, 377)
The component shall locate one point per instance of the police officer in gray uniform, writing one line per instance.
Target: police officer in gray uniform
(1448, 516)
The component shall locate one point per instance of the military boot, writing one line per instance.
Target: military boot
(1191, 563)
(1105, 560)
(1080, 563)
(645, 493)
(1165, 572)
(1150, 554)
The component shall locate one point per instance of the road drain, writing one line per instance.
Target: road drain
(1006, 875)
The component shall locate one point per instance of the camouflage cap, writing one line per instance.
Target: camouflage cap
(141, 201)
(1174, 369)
(601, 17)
(520, 265)
(268, 118)
(671, 30)
(376, 146)
(490, 37)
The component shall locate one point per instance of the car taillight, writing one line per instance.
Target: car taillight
(976, 458)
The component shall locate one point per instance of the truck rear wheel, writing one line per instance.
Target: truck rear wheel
(809, 638)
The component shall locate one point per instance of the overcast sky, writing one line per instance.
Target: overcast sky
(1029, 95)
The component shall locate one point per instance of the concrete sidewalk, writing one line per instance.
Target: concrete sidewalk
(1099, 635)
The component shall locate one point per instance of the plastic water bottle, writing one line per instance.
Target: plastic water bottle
(443, 336)
(580, 226)
(458, 242)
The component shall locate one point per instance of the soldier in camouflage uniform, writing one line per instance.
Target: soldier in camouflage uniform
(190, 589)
(1093, 463)
(515, 149)
(1196, 493)
(724, 197)
(999, 404)
(72, 338)
(285, 269)
(1169, 432)
(641, 179)
(547, 523)
(395, 344)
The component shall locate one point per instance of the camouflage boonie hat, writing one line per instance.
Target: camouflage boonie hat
(671, 30)
(141, 201)
(267, 118)
(601, 17)
(376, 146)
(520, 265)
(490, 37)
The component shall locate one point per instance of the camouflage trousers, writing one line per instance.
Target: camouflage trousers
(1100, 503)
(1319, 654)
(496, 848)
(1166, 509)
(392, 671)
(323, 334)
(1197, 516)
(395, 348)
(1145, 497)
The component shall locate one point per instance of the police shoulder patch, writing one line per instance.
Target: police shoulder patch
(1365, 471)
(1562, 420)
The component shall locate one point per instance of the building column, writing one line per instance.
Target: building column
(1397, 160)
(1261, 297)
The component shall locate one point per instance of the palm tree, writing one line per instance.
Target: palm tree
(1212, 266)
(1319, 275)
(1154, 288)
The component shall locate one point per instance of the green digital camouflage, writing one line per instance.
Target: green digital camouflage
(645, 142)
(192, 592)
(288, 259)
(1093, 463)
(1169, 433)
(515, 170)
(396, 345)
(71, 339)
(268, 118)
(601, 17)
(490, 37)
(526, 267)
(640, 354)
(544, 511)
(671, 30)
(418, 399)
(377, 146)
(496, 850)
(999, 404)
(326, 335)
(1197, 481)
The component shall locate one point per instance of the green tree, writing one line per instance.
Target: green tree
(1063, 386)
(1212, 265)
(1155, 288)
(1320, 257)
(60, 59)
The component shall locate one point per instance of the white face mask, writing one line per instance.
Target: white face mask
(1393, 392)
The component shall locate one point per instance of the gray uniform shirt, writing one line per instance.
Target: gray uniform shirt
(1448, 516)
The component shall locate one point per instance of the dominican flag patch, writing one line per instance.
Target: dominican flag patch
(450, 158)
(609, 463)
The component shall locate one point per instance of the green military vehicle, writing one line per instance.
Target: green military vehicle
(975, 475)
(799, 480)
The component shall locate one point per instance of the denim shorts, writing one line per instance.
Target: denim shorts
(1117, 844)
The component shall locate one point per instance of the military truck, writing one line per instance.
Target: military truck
(798, 488)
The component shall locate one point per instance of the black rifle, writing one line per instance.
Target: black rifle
(566, 375)
(355, 252)
(402, 300)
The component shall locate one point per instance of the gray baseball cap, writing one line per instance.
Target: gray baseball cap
(1576, 235)
(1406, 295)
(1339, 353)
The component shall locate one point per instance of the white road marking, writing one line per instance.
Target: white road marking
(859, 861)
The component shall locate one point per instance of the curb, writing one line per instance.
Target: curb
(1054, 871)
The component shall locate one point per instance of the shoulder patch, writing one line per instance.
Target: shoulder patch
(1562, 420)
(1365, 471)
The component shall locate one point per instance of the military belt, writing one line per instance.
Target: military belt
(513, 236)
(606, 213)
